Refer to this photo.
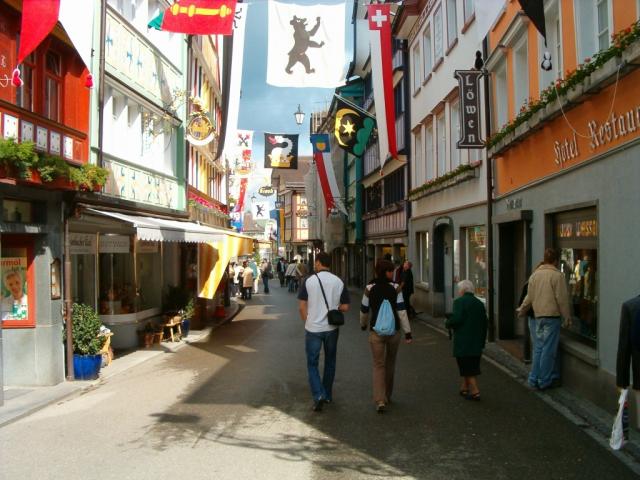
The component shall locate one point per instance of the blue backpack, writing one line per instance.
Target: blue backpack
(386, 321)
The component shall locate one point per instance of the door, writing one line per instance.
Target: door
(443, 269)
(512, 276)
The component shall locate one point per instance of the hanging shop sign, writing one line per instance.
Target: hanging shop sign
(470, 121)
(266, 191)
(200, 130)
(82, 243)
(114, 244)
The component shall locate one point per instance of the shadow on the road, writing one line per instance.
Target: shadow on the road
(251, 392)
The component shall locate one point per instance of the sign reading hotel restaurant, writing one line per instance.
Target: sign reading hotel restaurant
(470, 121)
(266, 191)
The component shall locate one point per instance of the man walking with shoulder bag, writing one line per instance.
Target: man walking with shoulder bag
(320, 296)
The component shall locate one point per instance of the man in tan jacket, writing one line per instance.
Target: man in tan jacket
(547, 294)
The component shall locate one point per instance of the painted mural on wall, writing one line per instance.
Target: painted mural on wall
(140, 186)
(131, 56)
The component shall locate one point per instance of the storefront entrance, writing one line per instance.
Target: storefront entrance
(443, 267)
(514, 238)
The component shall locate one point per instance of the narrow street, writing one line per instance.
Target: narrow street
(238, 406)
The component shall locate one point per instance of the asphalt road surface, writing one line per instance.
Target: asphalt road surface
(238, 407)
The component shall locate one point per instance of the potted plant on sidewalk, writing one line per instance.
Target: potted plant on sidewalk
(187, 314)
(87, 342)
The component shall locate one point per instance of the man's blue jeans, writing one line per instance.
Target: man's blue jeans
(265, 280)
(314, 342)
(545, 337)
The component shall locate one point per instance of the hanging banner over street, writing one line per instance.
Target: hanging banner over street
(197, 17)
(326, 173)
(382, 79)
(280, 150)
(306, 45)
(353, 127)
(470, 121)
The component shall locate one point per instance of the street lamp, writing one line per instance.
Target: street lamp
(299, 116)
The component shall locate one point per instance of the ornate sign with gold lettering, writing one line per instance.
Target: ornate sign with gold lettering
(199, 130)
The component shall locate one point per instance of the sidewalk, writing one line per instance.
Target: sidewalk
(590, 418)
(22, 401)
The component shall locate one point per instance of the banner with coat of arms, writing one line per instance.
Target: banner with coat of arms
(280, 150)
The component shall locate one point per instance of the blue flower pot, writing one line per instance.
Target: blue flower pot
(186, 324)
(86, 367)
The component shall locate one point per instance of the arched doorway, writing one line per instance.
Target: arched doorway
(443, 266)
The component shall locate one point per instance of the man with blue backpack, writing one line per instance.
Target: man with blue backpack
(383, 311)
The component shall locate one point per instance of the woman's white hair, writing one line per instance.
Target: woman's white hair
(465, 286)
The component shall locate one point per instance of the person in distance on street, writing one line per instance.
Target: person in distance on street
(469, 325)
(247, 281)
(319, 293)
(384, 342)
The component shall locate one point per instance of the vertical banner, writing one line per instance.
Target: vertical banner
(306, 45)
(470, 120)
(382, 76)
(235, 80)
(280, 150)
(326, 173)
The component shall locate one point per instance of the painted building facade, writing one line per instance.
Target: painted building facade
(447, 230)
(566, 173)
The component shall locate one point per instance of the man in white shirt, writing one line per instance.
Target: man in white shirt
(318, 332)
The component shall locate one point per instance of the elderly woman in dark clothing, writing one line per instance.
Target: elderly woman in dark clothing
(469, 325)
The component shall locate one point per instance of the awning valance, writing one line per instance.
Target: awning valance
(163, 230)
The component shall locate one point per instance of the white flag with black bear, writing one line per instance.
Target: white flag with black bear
(306, 45)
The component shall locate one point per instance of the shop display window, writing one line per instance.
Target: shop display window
(576, 238)
(18, 289)
(148, 266)
(476, 250)
(83, 274)
(116, 276)
(580, 267)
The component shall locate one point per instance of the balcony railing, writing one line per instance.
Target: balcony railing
(400, 136)
(386, 223)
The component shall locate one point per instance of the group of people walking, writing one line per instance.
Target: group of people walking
(384, 312)
(291, 274)
(244, 277)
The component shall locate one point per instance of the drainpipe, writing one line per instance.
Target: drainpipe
(101, 73)
(67, 291)
(489, 161)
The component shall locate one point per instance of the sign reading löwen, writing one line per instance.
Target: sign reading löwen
(469, 81)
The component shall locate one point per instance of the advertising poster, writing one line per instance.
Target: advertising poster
(14, 304)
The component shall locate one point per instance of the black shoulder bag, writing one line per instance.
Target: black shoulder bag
(335, 317)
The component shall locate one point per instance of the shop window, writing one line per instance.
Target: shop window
(423, 254)
(521, 76)
(18, 287)
(593, 34)
(25, 94)
(53, 86)
(452, 22)
(148, 265)
(554, 45)
(476, 261)
(438, 41)
(417, 155)
(500, 99)
(415, 53)
(576, 237)
(455, 134)
(427, 59)
(428, 150)
(469, 9)
(441, 134)
(116, 275)
(394, 187)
